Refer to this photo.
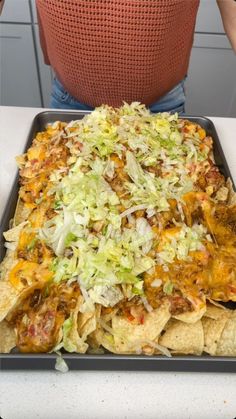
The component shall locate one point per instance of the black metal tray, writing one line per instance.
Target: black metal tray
(204, 363)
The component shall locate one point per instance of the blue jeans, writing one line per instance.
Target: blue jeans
(173, 101)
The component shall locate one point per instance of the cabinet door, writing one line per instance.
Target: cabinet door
(16, 11)
(209, 18)
(210, 87)
(19, 77)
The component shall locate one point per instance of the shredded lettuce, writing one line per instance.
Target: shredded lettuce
(96, 235)
(67, 344)
(186, 240)
(61, 364)
(168, 287)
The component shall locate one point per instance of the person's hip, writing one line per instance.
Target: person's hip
(173, 101)
(61, 99)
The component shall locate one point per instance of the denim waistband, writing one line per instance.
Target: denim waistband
(173, 101)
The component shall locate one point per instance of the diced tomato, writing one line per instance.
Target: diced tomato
(130, 317)
(32, 330)
(33, 161)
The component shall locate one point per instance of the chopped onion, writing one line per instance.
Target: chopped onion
(150, 212)
(131, 219)
(156, 283)
(71, 280)
(208, 237)
(146, 304)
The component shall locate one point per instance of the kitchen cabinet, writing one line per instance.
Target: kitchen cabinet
(208, 18)
(25, 79)
(210, 87)
(19, 76)
(16, 11)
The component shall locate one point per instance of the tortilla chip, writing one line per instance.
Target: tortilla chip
(222, 194)
(107, 341)
(232, 193)
(12, 235)
(184, 338)
(227, 343)
(212, 332)
(108, 316)
(20, 160)
(215, 303)
(7, 264)
(7, 337)
(191, 316)
(21, 213)
(86, 324)
(83, 318)
(94, 339)
(128, 336)
(9, 296)
(99, 337)
(80, 345)
(215, 312)
(22, 295)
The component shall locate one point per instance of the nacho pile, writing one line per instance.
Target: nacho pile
(123, 240)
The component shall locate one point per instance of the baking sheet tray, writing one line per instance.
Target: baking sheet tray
(109, 361)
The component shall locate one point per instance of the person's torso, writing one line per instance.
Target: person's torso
(108, 51)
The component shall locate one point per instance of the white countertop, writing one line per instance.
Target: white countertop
(108, 395)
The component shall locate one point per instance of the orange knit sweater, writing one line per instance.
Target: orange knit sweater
(108, 51)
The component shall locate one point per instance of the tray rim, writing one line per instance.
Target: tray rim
(186, 363)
